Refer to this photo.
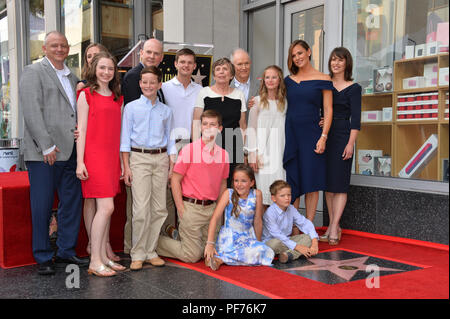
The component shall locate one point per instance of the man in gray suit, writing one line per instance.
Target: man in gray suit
(48, 101)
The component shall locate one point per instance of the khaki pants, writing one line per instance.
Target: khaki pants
(149, 185)
(193, 230)
(278, 247)
(170, 204)
(127, 242)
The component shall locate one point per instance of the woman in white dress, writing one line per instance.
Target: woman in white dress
(265, 132)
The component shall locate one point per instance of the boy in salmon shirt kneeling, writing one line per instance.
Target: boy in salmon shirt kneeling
(199, 178)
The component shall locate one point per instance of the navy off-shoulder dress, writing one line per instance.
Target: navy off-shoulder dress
(346, 117)
(305, 169)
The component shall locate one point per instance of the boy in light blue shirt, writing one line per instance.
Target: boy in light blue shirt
(148, 154)
(277, 227)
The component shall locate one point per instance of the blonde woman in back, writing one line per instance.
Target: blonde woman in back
(265, 132)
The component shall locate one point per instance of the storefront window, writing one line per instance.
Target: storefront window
(5, 109)
(116, 32)
(76, 24)
(400, 51)
(307, 25)
(369, 35)
(36, 29)
(157, 17)
(261, 40)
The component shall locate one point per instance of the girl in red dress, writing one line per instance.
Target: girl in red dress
(89, 203)
(98, 163)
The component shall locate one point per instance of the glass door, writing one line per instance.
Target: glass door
(304, 20)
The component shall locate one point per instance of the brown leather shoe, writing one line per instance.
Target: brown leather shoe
(136, 265)
(157, 262)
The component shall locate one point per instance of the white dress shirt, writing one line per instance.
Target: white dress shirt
(181, 101)
(70, 92)
(244, 87)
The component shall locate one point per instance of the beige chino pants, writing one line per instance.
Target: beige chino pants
(278, 247)
(149, 186)
(170, 204)
(193, 230)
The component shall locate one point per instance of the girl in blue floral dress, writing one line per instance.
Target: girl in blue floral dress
(239, 240)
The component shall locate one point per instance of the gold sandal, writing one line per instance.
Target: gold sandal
(115, 266)
(100, 271)
(333, 241)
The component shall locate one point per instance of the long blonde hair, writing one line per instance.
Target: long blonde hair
(281, 92)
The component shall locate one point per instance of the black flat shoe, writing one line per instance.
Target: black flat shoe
(73, 260)
(47, 268)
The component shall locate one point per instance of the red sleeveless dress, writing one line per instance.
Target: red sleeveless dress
(102, 148)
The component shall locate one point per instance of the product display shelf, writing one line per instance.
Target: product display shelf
(410, 135)
(375, 135)
(401, 139)
(408, 139)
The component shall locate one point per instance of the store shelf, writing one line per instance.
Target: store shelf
(401, 139)
(419, 90)
(418, 121)
(425, 59)
(376, 123)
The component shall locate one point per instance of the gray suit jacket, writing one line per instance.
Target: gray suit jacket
(254, 88)
(253, 91)
(47, 112)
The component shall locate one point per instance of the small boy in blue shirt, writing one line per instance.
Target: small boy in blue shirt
(277, 226)
(148, 153)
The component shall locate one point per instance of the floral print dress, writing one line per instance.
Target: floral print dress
(236, 243)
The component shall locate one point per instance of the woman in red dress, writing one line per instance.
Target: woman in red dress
(98, 163)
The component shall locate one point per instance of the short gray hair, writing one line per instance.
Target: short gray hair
(235, 51)
(54, 32)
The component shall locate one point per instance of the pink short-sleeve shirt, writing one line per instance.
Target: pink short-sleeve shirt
(202, 170)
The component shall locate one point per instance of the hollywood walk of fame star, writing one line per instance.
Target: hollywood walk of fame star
(198, 78)
(345, 269)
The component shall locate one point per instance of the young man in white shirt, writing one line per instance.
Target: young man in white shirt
(180, 94)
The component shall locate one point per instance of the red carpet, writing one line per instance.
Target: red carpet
(430, 282)
(15, 222)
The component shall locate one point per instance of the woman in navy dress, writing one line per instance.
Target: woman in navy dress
(341, 139)
(308, 90)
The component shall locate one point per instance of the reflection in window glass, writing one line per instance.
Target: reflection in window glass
(157, 16)
(5, 118)
(417, 22)
(116, 32)
(36, 25)
(261, 40)
(76, 24)
(368, 30)
(307, 25)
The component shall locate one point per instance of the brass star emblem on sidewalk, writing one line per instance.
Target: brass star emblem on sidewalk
(345, 269)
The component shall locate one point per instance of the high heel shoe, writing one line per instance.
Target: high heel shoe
(102, 271)
(323, 238)
(115, 266)
(335, 241)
